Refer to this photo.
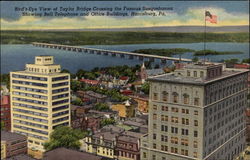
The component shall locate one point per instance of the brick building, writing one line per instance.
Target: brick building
(12, 144)
(5, 111)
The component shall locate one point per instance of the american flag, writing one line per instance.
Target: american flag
(211, 18)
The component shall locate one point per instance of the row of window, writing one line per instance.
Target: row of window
(60, 113)
(60, 90)
(30, 95)
(31, 124)
(31, 89)
(175, 109)
(60, 96)
(60, 102)
(29, 77)
(60, 119)
(174, 119)
(60, 78)
(31, 129)
(60, 108)
(42, 70)
(30, 112)
(31, 118)
(31, 135)
(30, 101)
(175, 98)
(29, 83)
(30, 106)
(60, 84)
(174, 130)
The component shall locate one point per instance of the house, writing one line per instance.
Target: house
(12, 144)
(69, 154)
(128, 146)
(90, 82)
(103, 143)
(123, 80)
(95, 97)
(77, 111)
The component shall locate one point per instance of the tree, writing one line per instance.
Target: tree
(64, 136)
(78, 102)
(107, 121)
(233, 61)
(145, 88)
(101, 107)
(76, 85)
(247, 60)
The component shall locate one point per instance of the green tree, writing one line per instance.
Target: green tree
(145, 88)
(78, 102)
(76, 85)
(101, 107)
(64, 136)
(108, 121)
(233, 61)
(247, 60)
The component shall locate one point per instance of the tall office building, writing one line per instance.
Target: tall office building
(196, 112)
(40, 98)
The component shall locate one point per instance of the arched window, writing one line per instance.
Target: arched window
(185, 98)
(164, 96)
(175, 97)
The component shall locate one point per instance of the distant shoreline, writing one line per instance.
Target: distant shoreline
(113, 38)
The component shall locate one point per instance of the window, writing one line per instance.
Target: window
(175, 97)
(154, 107)
(164, 96)
(174, 130)
(184, 142)
(185, 121)
(164, 128)
(196, 113)
(173, 109)
(185, 98)
(154, 116)
(195, 73)
(164, 118)
(60, 84)
(188, 73)
(155, 96)
(164, 138)
(164, 148)
(144, 155)
(195, 144)
(60, 78)
(201, 74)
(195, 154)
(184, 131)
(195, 133)
(196, 101)
(174, 119)
(154, 146)
(174, 140)
(164, 108)
(174, 150)
(186, 111)
(154, 126)
(184, 152)
(195, 122)
(154, 136)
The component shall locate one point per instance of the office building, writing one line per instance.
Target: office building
(196, 112)
(40, 98)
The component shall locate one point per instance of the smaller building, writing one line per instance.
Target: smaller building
(90, 82)
(69, 154)
(12, 144)
(128, 146)
(95, 97)
(5, 112)
(125, 110)
(142, 101)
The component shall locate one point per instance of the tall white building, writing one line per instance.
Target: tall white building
(196, 112)
(40, 98)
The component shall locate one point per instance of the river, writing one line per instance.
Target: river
(14, 57)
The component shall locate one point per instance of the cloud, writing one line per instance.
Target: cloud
(192, 16)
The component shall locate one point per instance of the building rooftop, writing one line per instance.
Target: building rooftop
(109, 135)
(21, 157)
(10, 136)
(171, 77)
(69, 154)
(96, 95)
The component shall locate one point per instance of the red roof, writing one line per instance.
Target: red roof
(123, 78)
(5, 99)
(127, 92)
(245, 66)
(88, 81)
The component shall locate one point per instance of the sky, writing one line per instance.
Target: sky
(229, 13)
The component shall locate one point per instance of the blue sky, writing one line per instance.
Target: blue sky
(183, 13)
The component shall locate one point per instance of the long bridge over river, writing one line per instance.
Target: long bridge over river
(122, 54)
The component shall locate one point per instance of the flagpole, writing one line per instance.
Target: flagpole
(205, 31)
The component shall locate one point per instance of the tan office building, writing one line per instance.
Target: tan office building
(196, 112)
(40, 98)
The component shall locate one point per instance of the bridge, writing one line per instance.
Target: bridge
(122, 54)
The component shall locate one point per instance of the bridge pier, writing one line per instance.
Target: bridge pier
(141, 58)
(99, 52)
(105, 53)
(151, 59)
(113, 54)
(122, 55)
(131, 57)
(79, 50)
